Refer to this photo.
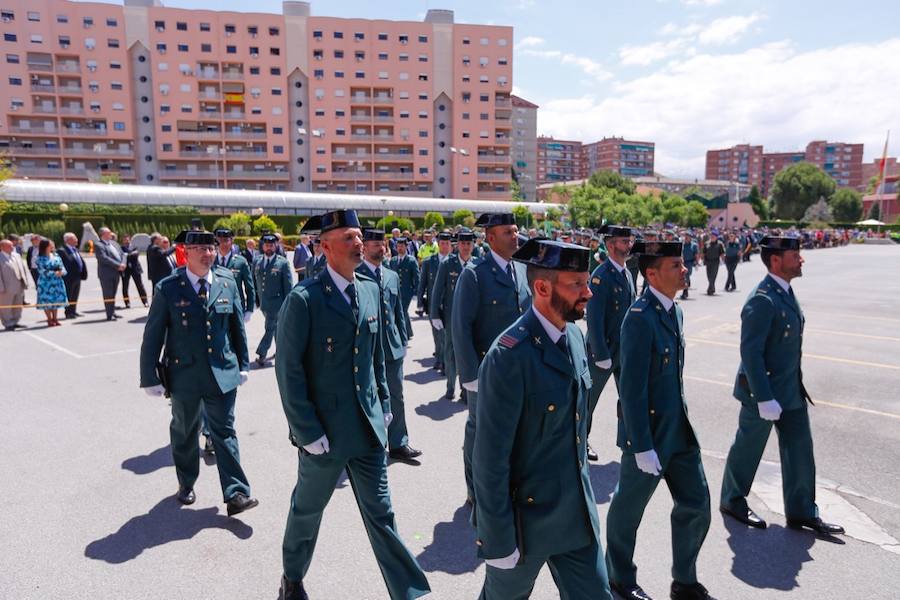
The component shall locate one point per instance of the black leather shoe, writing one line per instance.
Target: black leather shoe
(239, 503)
(261, 361)
(208, 447)
(817, 525)
(291, 590)
(688, 591)
(405, 453)
(633, 592)
(186, 495)
(438, 366)
(747, 518)
(592, 454)
(450, 396)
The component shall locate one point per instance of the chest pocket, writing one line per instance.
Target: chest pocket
(549, 409)
(790, 326)
(665, 355)
(221, 308)
(373, 326)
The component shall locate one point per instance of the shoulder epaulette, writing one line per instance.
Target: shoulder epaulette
(512, 336)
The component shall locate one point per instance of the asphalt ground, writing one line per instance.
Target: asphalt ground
(88, 506)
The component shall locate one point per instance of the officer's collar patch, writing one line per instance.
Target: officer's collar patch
(508, 341)
(595, 280)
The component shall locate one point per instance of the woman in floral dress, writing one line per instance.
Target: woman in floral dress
(51, 289)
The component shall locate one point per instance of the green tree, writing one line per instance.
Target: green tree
(522, 215)
(239, 223)
(585, 211)
(758, 203)
(873, 183)
(818, 215)
(516, 191)
(798, 187)
(613, 180)
(263, 223)
(111, 178)
(460, 216)
(695, 214)
(875, 211)
(434, 219)
(846, 206)
(401, 223)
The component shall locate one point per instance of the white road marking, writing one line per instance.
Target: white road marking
(53, 345)
(110, 353)
(836, 359)
(767, 487)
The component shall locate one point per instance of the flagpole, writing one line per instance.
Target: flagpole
(880, 188)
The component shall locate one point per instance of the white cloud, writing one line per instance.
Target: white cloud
(701, 2)
(529, 42)
(685, 38)
(771, 95)
(727, 30)
(588, 66)
(651, 53)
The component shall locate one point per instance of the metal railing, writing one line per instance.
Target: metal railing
(258, 174)
(400, 175)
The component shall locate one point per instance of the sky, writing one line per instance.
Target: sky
(689, 75)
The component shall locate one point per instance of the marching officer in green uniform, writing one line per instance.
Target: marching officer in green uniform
(316, 262)
(274, 279)
(689, 253)
(493, 293)
(393, 340)
(407, 268)
(239, 268)
(535, 504)
(426, 285)
(330, 373)
(613, 294)
(655, 434)
(441, 302)
(197, 318)
(769, 385)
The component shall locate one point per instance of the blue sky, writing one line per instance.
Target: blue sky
(688, 74)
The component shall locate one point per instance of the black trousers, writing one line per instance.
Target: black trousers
(712, 270)
(138, 283)
(731, 264)
(73, 289)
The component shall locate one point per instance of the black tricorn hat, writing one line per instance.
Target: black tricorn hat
(224, 232)
(615, 231)
(445, 235)
(780, 243)
(268, 238)
(196, 238)
(335, 219)
(401, 240)
(373, 234)
(555, 256)
(487, 220)
(465, 236)
(657, 248)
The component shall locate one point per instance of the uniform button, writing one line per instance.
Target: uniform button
(479, 543)
(530, 500)
(356, 369)
(577, 439)
(356, 351)
(577, 417)
(209, 337)
(652, 412)
(357, 387)
(177, 361)
(328, 340)
(209, 350)
(493, 302)
(628, 443)
(551, 408)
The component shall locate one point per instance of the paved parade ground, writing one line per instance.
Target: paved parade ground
(89, 508)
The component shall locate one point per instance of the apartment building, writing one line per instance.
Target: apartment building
(296, 102)
(559, 160)
(524, 146)
(742, 163)
(626, 157)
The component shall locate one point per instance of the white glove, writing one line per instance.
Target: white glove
(245, 375)
(604, 364)
(769, 410)
(247, 315)
(437, 324)
(504, 563)
(648, 462)
(471, 386)
(320, 446)
(388, 418)
(155, 391)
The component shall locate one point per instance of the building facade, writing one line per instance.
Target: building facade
(559, 160)
(198, 98)
(524, 147)
(742, 163)
(626, 157)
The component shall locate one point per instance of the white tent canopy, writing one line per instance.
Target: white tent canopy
(870, 222)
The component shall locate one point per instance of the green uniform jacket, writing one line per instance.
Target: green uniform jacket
(532, 479)
(771, 346)
(426, 281)
(275, 284)
(393, 332)
(440, 305)
(606, 310)
(240, 270)
(330, 367)
(489, 301)
(193, 335)
(654, 413)
(408, 270)
(315, 265)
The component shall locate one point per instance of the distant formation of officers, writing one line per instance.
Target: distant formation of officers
(502, 317)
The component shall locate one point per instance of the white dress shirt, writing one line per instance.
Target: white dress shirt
(665, 300)
(194, 279)
(340, 282)
(553, 333)
(784, 284)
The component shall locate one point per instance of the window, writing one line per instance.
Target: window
(339, 54)
(423, 114)
(466, 96)
(404, 114)
(37, 38)
(423, 39)
(161, 48)
(338, 35)
(231, 49)
(502, 42)
(15, 81)
(465, 134)
(205, 47)
(423, 133)
(160, 26)
(483, 79)
(254, 51)
(166, 128)
(65, 41)
(12, 59)
(278, 149)
(35, 17)
(382, 56)
(338, 93)
(273, 51)
(254, 70)
(484, 97)
(423, 151)
(465, 41)
(163, 66)
(404, 95)
(255, 92)
(382, 37)
(116, 85)
(465, 116)
(339, 114)
(404, 57)
(320, 112)
(9, 37)
(358, 36)
(273, 31)
(360, 74)
(404, 39)
(274, 70)
(87, 22)
(167, 147)
(114, 64)
(423, 170)
(118, 106)
(230, 29)
(465, 79)
(7, 16)
(186, 108)
(483, 116)
(502, 61)
(423, 58)
(359, 55)
(164, 108)
(317, 35)
(278, 130)
(119, 126)
(319, 73)
(276, 91)
(182, 47)
(382, 74)
(252, 30)
(16, 104)
(484, 41)
(62, 19)
(423, 96)
(94, 87)
(318, 54)
(185, 87)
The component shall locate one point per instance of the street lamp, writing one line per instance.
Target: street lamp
(257, 211)
(63, 207)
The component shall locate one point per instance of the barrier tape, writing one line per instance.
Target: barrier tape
(61, 304)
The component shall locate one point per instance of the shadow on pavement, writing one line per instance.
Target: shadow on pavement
(426, 362)
(424, 377)
(604, 479)
(139, 320)
(148, 463)
(440, 409)
(770, 558)
(166, 522)
(452, 549)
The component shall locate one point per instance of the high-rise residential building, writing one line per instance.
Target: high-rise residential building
(626, 157)
(742, 163)
(293, 101)
(773, 163)
(524, 146)
(559, 160)
(873, 169)
(843, 162)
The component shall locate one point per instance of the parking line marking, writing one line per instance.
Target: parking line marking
(849, 334)
(53, 345)
(848, 361)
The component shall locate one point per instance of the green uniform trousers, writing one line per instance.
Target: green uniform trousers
(798, 467)
(397, 432)
(690, 518)
(271, 325)
(317, 475)
(184, 429)
(450, 370)
(405, 302)
(578, 574)
(599, 379)
(469, 444)
(438, 335)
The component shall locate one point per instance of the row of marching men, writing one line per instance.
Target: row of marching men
(530, 377)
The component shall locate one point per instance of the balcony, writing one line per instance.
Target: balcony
(44, 110)
(71, 110)
(361, 137)
(396, 175)
(234, 115)
(497, 159)
(68, 68)
(405, 157)
(34, 130)
(492, 195)
(206, 74)
(199, 135)
(414, 193)
(360, 99)
(381, 119)
(43, 87)
(84, 131)
(38, 172)
(337, 157)
(39, 66)
(350, 175)
(186, 174)
(29, 151)
(70, 89)
(253, 154)
(96, 173)
(494, 176)
(233, 75)
(382, 100)
(360, 118)
(93, 152)
(209, 114)
(502, 140)
(502, 103)
(258, 174)
(210, 96)
(246, 135)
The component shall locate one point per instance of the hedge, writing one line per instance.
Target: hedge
(785, 224)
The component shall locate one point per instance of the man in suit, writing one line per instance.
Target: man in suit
(426, 285)
(393, 341)
(228, 258)
(31, 256)
(613, 293)
(316, 263)
(196, 316)
(441, 303)
(273, 279)
(489, 296)
(654, 433)
(769, 385)
(330, 373)
(133, 271)
(76, 272)
(405, 265)
(110, 266)
(13, 283)
(301, 257)
(160, 259)
(532, 479)
(250, 253)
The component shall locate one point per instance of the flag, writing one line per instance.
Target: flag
(882, 167)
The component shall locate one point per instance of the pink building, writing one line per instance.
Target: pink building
(220, 99)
